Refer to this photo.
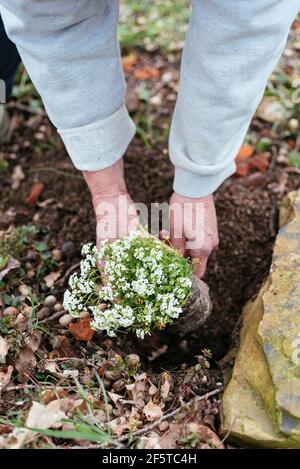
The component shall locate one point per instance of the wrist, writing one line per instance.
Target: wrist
(183, 198)
(107, 182)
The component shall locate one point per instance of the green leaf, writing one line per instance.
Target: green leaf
(294, 159)
(73, 434)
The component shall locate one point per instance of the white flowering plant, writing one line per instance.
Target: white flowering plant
(136, 282)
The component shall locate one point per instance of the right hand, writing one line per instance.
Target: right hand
(115, 211)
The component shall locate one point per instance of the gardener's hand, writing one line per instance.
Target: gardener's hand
(115, 212)
(193, 228)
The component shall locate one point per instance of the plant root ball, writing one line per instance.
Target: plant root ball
(196, 310)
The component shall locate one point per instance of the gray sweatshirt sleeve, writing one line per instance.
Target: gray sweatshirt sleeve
(231, 49)
(71, 52)
(72, 55)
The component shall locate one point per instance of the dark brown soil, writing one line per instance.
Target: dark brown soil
(247, 211)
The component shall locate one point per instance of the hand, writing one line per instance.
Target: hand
(115, 211)
(193, 228)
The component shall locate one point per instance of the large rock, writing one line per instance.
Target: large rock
(261, 404)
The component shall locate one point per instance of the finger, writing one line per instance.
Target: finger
(177, 238)
(199, 266)
(164, 236)
(179, 244)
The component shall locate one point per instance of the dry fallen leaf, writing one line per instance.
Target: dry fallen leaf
(165, 385)
(4, 346)
(260, 162)
(129, 61)
(25, 363)
(40, 416)
(63, 348)
(82, 330)
(5, 377)
(152, 411)
(51, 278)
(146, 73)
(35, 192)
(33, 340)
(11, 265)
(17, 177)
(245, 152)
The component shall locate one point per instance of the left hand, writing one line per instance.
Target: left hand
(194, 229)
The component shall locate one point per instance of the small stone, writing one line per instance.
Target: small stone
(163, 426)
(43, 313)
(20, 319)
(24, 290)
(133, 359)
(65, 320)
(10, 311)
(30, 274)
(50, 300)
(113, 375)
(58, 307)
(28, 266)
(27, 310)
(67, 247)
(102, 306)
(56, 254)
(293, 125)
(84, 314)
(167, 77)
(118, 385)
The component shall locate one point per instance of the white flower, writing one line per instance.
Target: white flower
(144, 282)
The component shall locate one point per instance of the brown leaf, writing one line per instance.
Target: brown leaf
(165, 385)
(25, 363)
(40, 416)
(242, 169)
(171, 437)
(260, 161)
(35, 192)
(33, 340)
(63, 347)
(4, 346)
(245, 152)
(5, 377)
(129, 61)
(82, 330)
(17, 177)
(152, 411)
(146, 73)
(51, 278)
(11, 265)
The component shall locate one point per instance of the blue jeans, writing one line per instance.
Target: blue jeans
(9, 59)
(72, 54)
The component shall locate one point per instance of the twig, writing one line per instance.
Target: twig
(56, 171)
(34, 386)
(73, 267)
(54, 316)
(291, 169)
(169, 415)
(24, 108)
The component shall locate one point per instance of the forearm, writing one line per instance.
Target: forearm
(230, 51)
